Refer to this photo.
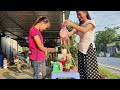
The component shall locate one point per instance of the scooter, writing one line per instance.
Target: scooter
(22, 62)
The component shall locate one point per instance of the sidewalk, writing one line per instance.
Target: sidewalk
(12, 73)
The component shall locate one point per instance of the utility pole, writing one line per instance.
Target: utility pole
(63, 16)
(63, 19)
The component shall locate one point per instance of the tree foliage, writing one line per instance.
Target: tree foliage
(73, 49)
(104, 37)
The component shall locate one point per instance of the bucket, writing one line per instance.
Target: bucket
(1, 60)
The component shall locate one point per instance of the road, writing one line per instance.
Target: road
(109, 61)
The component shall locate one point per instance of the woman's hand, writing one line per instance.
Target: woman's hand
(68, 23)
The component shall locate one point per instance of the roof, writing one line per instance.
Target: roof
(16, 24)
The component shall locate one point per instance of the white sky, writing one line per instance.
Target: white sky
(102, 19)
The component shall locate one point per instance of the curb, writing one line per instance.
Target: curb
(110, 67)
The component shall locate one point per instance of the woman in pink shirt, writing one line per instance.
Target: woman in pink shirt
(36, 46)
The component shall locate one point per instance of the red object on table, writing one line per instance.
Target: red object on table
(66, 70)
(63, 62)
(72, 67)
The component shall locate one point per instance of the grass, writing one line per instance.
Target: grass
(109, 74)
(117, 55)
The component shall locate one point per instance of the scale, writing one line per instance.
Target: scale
(65, 52)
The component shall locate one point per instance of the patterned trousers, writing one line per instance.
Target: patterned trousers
(87, 64)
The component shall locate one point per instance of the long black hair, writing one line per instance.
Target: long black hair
(88, 15)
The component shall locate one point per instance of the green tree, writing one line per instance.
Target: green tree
(73, 49)
(118, 41)
(105, 37)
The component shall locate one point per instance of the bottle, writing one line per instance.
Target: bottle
(56, 67)
(5, 63)
(67, 64)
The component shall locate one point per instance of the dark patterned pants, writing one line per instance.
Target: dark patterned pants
(87, 64)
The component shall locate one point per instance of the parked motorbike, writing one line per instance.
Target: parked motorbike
(22, 62)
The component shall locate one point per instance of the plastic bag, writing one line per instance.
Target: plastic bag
(64, 32)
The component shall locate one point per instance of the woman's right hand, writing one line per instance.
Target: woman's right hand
(68, 23)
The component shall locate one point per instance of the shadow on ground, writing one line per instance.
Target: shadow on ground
(8, 76)
(13, 73)
(14, 69)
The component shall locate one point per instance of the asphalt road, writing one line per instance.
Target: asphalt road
(109, 61)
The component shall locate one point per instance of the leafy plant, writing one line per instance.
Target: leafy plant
(72, 48)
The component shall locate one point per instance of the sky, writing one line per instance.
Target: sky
(102, 18)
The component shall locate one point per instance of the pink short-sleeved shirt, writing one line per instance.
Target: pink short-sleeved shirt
(36, 53)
